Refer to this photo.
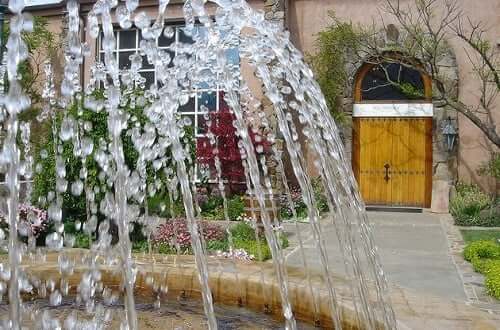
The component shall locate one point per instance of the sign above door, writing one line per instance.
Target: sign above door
(30, 3)
(392, 110)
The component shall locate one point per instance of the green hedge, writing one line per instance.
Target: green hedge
(482, 250)
(74, 207)
(485, 258)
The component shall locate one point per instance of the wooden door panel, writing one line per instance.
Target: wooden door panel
(375, 132)
(403, 143)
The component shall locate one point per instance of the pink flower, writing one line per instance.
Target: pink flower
(176, 231)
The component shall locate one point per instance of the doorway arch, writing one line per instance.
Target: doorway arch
(392, 134)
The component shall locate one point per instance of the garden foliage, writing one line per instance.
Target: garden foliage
(74, 207)
(472, 207)
(173, 234)
(485, 258)
(223, 145)
(298, 203)
(334, 44)
(32, 221)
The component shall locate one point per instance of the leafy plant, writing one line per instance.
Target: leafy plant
(82, 241)
(212, 207)
(482, 249)
(222, 145)
(235, 207)
(74, 207)
(298, 203)
(244, 238)
(467, 204)
(243, 232)
(492, 167)
(492, 280)
(253, 247)
(334, 45)
(485, 258)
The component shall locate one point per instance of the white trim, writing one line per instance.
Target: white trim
(32, 3)
(393, 110)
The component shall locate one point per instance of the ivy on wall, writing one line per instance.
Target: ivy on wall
(333, 46)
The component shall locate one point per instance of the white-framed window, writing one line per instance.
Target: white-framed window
(203, 98)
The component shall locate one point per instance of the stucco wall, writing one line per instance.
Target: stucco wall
(305, 18)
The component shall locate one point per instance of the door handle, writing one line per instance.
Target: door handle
(386, 177)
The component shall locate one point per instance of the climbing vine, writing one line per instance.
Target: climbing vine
(333, 46)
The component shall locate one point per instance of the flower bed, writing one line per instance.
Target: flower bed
(32, 221)
(174, 234)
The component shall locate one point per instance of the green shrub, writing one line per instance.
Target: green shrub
(252, 247)
(482, 265)
(219, 245)
(165, 248)
(235, 207)
(159, 204)
(284, 241)
(485, 258)
(82, 241)
(140, 246)
(467, 204)
(212, 207)
(243, 231)
(319, 195)
(74, 207)
(244, 238)
(482, 250)
(492, 281)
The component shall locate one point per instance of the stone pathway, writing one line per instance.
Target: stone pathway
(412, 246)
(421, 254)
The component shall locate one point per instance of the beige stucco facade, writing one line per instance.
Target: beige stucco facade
(305, 18)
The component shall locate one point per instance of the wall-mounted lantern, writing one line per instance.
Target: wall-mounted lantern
(450, 132)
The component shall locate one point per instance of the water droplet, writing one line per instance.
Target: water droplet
(77, 188)
(55, 298)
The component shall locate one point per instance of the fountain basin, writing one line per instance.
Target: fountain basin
(250, 285)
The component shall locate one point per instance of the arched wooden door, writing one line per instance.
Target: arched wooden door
(392, 136)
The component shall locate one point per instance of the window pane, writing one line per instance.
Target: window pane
(202, 125)
(164, 41)
(188, 119)
(201, 31)
(127, 39)
(183, 37)
(172, 55)
(124, 60)
(233, 56)
(101, 37)
(145, 63)
(209, 100)
(189, 106)
(150, 77)
(205, 79)
(392, 81)
(102, 55)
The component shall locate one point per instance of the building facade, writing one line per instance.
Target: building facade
(398, 150)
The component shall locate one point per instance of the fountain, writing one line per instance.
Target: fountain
(108, 272)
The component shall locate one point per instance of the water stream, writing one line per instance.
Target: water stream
(152, 117)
